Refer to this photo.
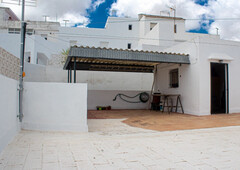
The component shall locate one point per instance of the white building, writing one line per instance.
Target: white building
(48, 39)
(209, 84)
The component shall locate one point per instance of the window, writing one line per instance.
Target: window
(30, 32)
(18, 30)
(14, 30)
(29, 59)
(44, 36)
(129, 27)
(175, 28)
(174, 78)
(129, 45)
(152, 25)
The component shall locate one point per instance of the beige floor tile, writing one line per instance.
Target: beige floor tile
(114, 145)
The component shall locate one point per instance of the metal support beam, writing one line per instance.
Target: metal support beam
(74, 69)
(70, 74)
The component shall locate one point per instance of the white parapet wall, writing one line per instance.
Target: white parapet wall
(55, 106)
(9, 124)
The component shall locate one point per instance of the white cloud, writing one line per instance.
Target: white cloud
(184, 8)
(74, 18)
(72, 10)
(222, 9)
(96, 4)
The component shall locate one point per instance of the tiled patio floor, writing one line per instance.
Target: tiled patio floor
(111, 144)
(155, 120)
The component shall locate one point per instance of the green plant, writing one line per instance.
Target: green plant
(64, 54)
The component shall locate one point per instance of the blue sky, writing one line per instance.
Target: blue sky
(99, 16)
(201, 2)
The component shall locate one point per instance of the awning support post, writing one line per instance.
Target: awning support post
(74, 69)
(70, 74)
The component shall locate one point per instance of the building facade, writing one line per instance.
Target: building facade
(208, 85)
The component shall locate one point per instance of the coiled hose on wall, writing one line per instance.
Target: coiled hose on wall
(143, 97)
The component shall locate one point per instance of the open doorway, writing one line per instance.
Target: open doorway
(219, 88)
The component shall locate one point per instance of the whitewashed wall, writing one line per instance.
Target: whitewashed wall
(9, 124)
(195, 79)
(188, 78)
(115, 33)
(225, 50)
(55, 106)
(34, 72)
(102, 86)
(11, 43)
(96, 80)
(105, 98)
(188, 86)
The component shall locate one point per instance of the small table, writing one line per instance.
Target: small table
(166, 98)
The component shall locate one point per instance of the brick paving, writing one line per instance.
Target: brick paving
(111, 144)
(159, 121)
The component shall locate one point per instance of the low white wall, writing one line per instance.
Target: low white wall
(105, 98)
(102, 86)
(96, 80)
(55, 106)
(9, 124)
(34, 72)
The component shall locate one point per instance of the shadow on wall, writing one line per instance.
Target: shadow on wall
(42, 59)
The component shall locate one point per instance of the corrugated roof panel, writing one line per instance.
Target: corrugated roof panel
(129, 58)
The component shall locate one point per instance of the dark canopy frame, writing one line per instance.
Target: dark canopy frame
(117, 60)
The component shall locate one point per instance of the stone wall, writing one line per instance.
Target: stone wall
(9, 64)
(57, 60)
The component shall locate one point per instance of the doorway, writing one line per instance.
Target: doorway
(219, 88)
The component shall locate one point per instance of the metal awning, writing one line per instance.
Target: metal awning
(103, 59)
(108, 59)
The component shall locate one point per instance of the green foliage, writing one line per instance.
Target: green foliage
(64, 54)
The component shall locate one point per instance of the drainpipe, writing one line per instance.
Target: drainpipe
(21, 75)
